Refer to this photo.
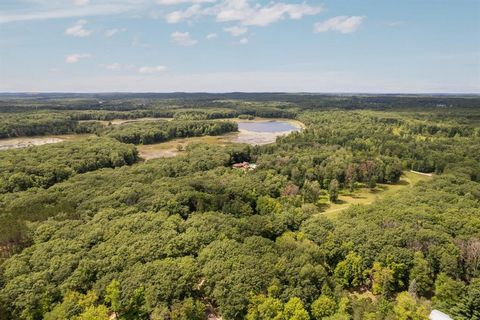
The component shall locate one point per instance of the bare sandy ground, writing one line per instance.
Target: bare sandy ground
(23, 142)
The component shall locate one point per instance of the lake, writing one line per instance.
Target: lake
(274, 126)
(259, 132)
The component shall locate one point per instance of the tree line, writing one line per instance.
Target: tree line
(33, 124)
(160, 131)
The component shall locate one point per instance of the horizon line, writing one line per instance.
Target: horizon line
(235, 92)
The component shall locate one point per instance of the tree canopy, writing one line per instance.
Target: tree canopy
(89, 231)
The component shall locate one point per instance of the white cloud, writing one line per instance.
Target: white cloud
(174, 2)
(245, 13)
(81, 2)
(111, 32)
(241, 10)
(231, 10)
(180, 15)
(113, 66)
(243, 41)
(183, 39)
(74, 58)
(61, 13)
(236, 31)
(151, 70)
(342, 24)
(279, 11)
(211, 36)
(78, 29)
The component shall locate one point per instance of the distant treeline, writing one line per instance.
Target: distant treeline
(134, 101)
(103, 115)
(160, 131)
(209, 113)
(234, 112)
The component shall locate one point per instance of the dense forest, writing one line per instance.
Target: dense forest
(41, 123)
(91, 231)
(159, 131)
(44, 166)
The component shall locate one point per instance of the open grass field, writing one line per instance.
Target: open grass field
(365, 196)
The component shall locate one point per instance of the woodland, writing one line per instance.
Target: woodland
(90, 230)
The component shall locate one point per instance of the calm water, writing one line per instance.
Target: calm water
(267, 126)
(264, 132)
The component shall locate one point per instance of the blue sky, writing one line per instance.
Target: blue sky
(430, 46)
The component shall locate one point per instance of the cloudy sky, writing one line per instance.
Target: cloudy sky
(240, 45)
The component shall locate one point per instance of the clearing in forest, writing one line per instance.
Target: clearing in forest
(366, 196)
